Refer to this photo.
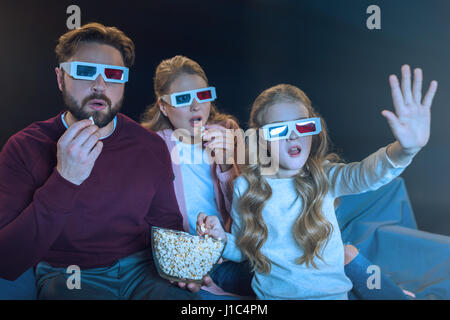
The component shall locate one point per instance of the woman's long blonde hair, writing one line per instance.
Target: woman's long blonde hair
(166, 72)
(311, 229)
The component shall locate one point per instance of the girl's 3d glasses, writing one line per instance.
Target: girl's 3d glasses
(90, 71)
(283, 130)
(185, 98)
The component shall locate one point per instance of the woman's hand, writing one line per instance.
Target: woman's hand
(211, 226)
(222, 144)
(410, 123)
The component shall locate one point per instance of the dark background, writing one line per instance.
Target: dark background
(323, 47)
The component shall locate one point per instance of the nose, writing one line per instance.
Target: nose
(194, 105)
(99, 84)
(293, 135)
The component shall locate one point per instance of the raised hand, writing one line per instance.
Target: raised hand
(410, 123)
(77, 150)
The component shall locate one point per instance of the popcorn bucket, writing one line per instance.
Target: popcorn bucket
(182, 257)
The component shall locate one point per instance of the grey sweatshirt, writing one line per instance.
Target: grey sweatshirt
(288, 280)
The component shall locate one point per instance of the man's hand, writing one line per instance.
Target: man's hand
(77, 150)
(410, 123)
(195, 287)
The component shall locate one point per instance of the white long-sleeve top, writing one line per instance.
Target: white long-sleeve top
(288, 280)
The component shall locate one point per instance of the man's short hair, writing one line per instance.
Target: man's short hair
(95, 32)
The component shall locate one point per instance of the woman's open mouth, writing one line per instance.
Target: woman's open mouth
(195, 121)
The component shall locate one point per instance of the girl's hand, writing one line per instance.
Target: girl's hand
(211, 226)
(222, 145)
(411, 122)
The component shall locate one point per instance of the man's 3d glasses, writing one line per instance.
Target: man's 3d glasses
(90, 71)
(283, 130)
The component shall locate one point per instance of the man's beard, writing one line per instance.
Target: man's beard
(101, 118)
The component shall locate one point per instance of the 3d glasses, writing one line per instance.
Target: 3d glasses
(283, 130)
(185, 98)
(90, 71)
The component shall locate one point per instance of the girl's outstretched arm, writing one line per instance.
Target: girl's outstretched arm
(410, 123)
(411, 127)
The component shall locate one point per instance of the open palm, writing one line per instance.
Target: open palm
(410, 123)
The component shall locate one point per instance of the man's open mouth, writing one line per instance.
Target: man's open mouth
(97, 104)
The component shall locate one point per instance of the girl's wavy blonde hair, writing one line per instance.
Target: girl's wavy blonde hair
(166, 72)
(311, 229)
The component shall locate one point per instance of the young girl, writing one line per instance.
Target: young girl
(284, 223)
(203, 177)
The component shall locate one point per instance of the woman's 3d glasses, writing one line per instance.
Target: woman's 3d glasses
(90, 71)
(185, 98)
(283, 130)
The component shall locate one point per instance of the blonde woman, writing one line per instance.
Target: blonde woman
(203, 176)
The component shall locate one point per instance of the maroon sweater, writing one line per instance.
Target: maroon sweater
(44, 217)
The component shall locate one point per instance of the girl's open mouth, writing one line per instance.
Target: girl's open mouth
(294, 151)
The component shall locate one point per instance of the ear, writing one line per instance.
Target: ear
(59, 77)
(161, 107)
